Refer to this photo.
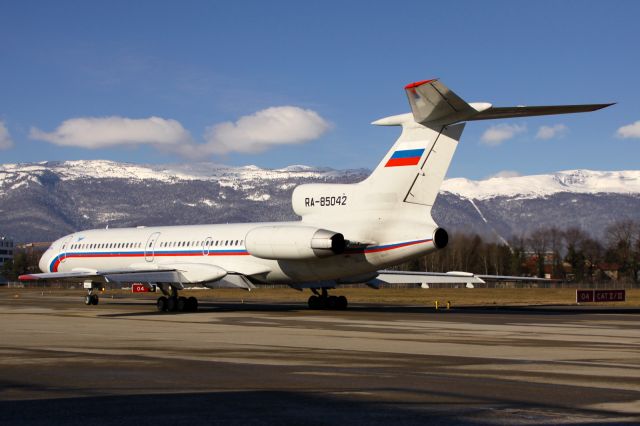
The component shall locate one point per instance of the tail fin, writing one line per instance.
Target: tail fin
(413, 169)
(408, 178)
(417, 163)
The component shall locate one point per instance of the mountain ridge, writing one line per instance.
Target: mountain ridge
(42, 201)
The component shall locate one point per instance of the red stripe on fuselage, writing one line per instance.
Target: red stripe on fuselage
(395, 246)
(111, 255)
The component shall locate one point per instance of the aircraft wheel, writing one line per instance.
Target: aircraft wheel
(182, 304)
(314, 302)
(161, 304)
(172, 304)
(342, 302)
(88, 299)
(192, 304)
(94, 299)
(332, 302)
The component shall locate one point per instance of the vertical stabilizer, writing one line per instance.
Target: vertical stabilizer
(415, 166)
(426, 185)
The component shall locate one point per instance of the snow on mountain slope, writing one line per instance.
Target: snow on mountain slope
(536, 186)
(102, 169)
(42, 201)
(13, 176)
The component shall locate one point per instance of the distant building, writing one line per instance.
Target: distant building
(6, 250)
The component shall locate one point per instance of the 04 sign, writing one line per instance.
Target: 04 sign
(143, 288)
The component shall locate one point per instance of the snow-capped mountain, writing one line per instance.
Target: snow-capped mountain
(42, 201)
(536, 186)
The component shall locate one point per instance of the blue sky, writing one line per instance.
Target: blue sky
(81, 80)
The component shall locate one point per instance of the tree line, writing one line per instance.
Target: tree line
(572, 254)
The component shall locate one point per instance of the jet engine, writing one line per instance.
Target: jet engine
(440, 238)
(289, 242)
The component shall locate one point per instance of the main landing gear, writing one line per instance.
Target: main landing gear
(322, 300)
(171, 302)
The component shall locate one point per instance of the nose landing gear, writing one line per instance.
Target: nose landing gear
(91, 298)
(322, 300)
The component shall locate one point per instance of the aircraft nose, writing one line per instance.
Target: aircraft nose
(44, 261)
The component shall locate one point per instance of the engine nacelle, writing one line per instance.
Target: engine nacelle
(290, 242)
(440, 238)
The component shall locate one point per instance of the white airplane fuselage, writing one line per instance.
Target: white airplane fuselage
(222, 246)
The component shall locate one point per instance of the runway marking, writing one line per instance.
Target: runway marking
(548, 379)
(326, 373)
(630, 407)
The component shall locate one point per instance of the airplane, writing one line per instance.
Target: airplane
(348, 233)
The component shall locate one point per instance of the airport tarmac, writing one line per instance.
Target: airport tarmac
(121, 362)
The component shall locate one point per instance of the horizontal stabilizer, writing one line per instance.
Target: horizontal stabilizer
(433, 103)
(528, 111)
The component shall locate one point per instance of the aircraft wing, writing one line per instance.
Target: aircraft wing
(176, 273)
(118, 275)
(454, 277)
(409, 277)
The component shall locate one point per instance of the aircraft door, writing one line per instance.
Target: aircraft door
(150, 247)
(206, 245)
(66, 244)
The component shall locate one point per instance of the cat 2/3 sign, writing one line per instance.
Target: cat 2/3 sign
(143, 288)
(585, 296)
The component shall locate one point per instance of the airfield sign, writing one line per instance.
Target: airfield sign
(585, 296)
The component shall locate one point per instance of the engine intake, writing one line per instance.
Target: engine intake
(290, 242)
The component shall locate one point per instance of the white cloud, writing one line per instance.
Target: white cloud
(106, 132)
(5, 138)
(499, 133)
(266, 128)
(550, 132)
(629, 131)
(504, 174)
(251, 133)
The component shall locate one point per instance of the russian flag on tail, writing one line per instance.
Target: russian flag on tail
(405, 157)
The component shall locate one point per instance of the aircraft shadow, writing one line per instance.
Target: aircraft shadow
(266, 307)
(246, 408)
